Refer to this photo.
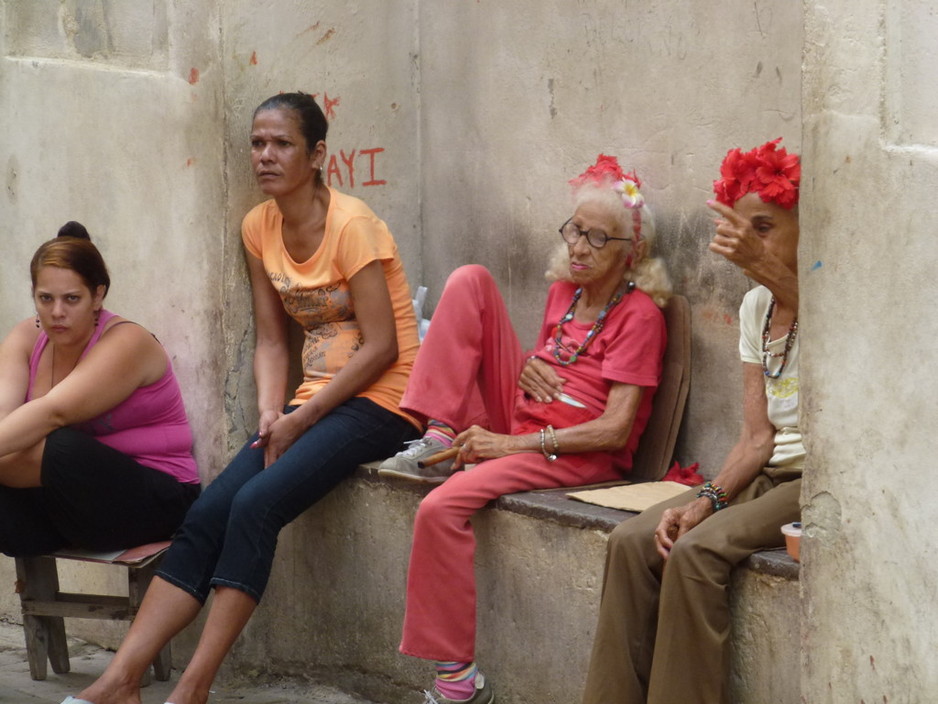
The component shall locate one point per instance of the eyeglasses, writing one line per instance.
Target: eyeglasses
(597, 238)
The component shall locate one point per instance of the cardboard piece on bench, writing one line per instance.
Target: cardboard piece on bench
(630, 497)
(136, 556)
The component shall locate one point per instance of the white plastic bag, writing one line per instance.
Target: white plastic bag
(423, 324)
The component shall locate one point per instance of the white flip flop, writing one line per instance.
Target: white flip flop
(75, 700)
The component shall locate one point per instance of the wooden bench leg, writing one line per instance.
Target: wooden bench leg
(38, 588)
(38, 579)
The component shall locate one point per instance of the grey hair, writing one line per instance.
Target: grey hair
(649, 274)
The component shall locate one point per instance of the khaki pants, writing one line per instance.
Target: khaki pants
(662, 639)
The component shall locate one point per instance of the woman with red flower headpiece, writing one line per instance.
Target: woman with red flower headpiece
(570, 412)
(662, 633)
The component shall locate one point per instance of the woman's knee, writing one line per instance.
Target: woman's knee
(696, 554)
(65, 438)
(436, 509)
(628, 539)
(469, 276)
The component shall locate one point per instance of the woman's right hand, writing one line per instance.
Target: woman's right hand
(676, 521)
(540, 381)
(264, 423)
(267, 419)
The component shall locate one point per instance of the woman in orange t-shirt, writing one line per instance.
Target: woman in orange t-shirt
(325, 260)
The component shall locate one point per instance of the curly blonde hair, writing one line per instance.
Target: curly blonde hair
(649, 273)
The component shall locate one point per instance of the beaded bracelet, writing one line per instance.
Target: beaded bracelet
(717, 495)
(547, 455)
(553, 440)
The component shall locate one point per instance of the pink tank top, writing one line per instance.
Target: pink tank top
(150, 425)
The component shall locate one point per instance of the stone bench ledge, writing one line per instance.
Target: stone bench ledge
(554, 505)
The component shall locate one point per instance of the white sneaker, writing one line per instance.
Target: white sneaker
(406, 464)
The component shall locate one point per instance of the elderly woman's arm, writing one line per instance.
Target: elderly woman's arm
(751, 453)
(608, 432)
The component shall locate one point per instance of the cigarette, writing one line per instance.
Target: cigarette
(569, 400)
(439, 457)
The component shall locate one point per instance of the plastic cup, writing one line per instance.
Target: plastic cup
(792, 533)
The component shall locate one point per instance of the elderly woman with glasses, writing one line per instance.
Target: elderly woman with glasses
(568, 412)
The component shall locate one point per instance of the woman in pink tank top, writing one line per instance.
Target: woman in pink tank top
(95, 447)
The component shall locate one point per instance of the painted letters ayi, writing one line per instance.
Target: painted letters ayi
(341, 170)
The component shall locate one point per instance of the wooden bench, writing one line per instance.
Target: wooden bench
(44, 606)
(654, 453)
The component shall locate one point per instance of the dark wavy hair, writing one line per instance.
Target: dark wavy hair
(312, 121)
(72, 249)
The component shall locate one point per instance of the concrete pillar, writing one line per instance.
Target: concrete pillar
(868, 325)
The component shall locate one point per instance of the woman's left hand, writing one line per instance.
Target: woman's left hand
(540, 381)
(281, 434)
(676, 521)
(477, 444)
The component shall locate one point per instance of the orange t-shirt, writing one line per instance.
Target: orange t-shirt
(315, 293)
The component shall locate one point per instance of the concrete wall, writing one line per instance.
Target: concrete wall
(459, 130)
(518, 97)
(346, 626)
(459, 123)
(869, 324)
(360, 60)
(112, 113)
(113, 117)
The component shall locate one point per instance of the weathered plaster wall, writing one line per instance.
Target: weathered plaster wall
(869, 324)
(457, 128)
(360, 60)
(518, 97)
(459, 123)
(113, 116)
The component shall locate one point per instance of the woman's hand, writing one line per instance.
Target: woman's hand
(540, 381)
(676, 521)
(735, 238)
(477, 444)
(267, 419)
(278, 436)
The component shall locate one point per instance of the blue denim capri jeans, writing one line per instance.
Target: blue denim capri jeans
(230, 534)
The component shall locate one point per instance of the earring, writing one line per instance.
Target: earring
(97, 317)
(37, 321)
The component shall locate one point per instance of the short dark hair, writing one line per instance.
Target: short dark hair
(313, 122)
(72, 249)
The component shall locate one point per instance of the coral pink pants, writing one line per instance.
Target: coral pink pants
(467, 372)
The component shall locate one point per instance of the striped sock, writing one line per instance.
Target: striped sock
(456, 680)
(440, 431)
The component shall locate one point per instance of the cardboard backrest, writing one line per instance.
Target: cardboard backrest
(656, 448)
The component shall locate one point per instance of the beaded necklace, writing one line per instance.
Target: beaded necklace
(594, 331)
(789, 341)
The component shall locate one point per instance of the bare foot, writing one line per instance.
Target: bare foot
(110, 692)
(184, 695)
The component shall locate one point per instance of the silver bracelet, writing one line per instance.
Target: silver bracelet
(547, 455)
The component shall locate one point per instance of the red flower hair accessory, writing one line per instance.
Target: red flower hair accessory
(771, 172)
(607, 172)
